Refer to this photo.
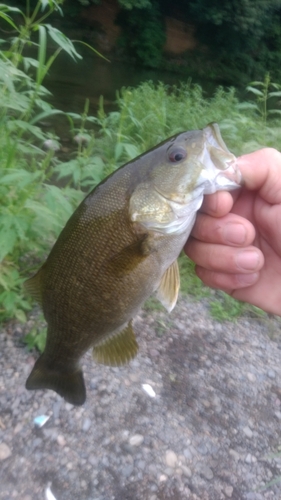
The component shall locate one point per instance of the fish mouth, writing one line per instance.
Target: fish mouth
(228, 176)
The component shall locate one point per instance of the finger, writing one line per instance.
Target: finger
(228, 230)
(225, 259)
(226, 282)
(217, 204)
(261, 171)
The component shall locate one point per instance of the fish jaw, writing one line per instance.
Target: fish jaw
(220, 170)
(209, 167)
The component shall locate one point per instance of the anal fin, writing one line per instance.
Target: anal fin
(168, 289)
(118, 349)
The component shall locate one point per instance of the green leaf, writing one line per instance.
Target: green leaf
(272, 111)
(63, 41)
(92, 49)
(46, 114)
(255, 91)
(274, 94)
(20, 315)
(8, 20)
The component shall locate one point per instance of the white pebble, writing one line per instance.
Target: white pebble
(148, 389)
(136, 440)
(171, 458)
(48, 494)
(5, 451)
(251, 377)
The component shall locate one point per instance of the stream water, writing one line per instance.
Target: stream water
(72, 82)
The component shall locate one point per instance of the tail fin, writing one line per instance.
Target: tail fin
(68, 384)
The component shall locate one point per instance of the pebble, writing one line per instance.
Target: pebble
(5, 451)
(271, 374)
(228, 490)
(206, 472)
(248, 432)
(61, 440)
(251, 377)
(234, 454)
(186, 471)
(136, 440)
(127, 470)
(86, 424)
(187, 453)
(171, 458)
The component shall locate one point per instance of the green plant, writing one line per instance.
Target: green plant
(36, 337)
(263, 94)
(29, 202)
(143, 33)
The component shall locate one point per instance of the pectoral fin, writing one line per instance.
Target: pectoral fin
(169, 287)
(117, 350)
(33, 286)
(131, 256)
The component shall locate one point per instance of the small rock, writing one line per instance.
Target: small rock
(18, 428)
(278, 415)
(171, 458)
(5, 451)
(187, 453)
(228, 491)
(154, 353)
(271, 374)
(61, 440)
(206, 472)
(127, 470)
(136, 440)
(186, 471)
(251, 377)
(247, 431)
(162, 478)
(86, 425)
(56, 409)
(234, 454)
(248, 459)
(203, 449)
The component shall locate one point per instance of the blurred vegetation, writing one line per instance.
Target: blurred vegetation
(242, 37)
(34, 209)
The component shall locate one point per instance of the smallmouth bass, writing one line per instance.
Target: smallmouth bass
(120, 246)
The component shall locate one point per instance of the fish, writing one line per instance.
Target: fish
(118, 248)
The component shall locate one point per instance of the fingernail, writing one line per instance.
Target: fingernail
(247, 279)
(247, 260)
(234, 233)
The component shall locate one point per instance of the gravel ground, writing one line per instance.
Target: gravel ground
(212, 431)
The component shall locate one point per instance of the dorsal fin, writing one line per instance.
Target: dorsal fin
(169, 287)
(117, 350)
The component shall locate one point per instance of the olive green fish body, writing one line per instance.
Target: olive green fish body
(119, 246)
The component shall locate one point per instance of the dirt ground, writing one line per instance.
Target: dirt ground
(212, 431)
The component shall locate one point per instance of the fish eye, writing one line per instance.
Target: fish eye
(177, 154)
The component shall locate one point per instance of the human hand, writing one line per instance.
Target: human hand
(236, 240)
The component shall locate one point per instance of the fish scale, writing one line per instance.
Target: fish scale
(120, 246)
